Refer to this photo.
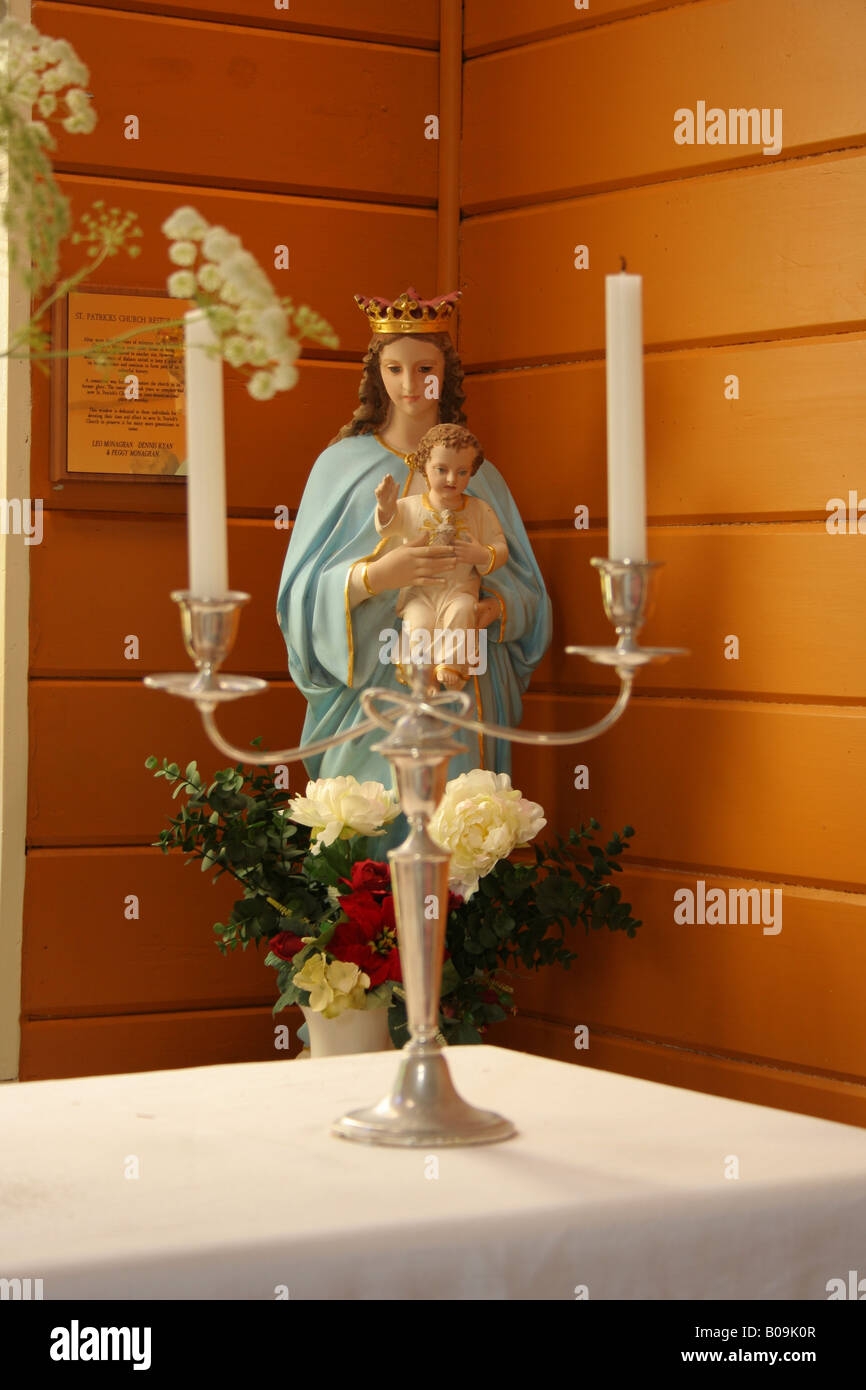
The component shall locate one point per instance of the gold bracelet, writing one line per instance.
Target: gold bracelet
(492, 550)
(371, 592)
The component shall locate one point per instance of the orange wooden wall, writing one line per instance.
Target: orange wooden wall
(305, 128)
(740, 772)
(308, 130)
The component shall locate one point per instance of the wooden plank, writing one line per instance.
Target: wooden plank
(789, 262)
(718, 785)
(796, 428)
(335, 248)
(71, 577)
(790, 597)
(702, 986)
(270, 447)
(718, 582)
(107, 730)
(213, 103)
(378, 21)
(94, 960)
(757, 790)
(549, 121)
(55, 1048)
(717, 1076)
(493, 24)
(791, 998)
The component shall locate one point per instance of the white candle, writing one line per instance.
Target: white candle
(205, 454)
(626, 469)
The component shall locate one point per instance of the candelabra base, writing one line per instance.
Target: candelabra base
(206, 685)
(423, 1110)
(626, 658)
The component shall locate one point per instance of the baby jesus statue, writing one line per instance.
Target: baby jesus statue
(444, 613)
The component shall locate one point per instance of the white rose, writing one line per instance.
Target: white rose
(480, 820)
(339, 807)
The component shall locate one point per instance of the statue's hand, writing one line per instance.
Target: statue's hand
(410, 564)
(386, 496)
(470, 551)
(487, 611)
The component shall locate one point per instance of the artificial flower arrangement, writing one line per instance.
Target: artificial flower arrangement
(321, 902)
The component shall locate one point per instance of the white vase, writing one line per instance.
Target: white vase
(354, 1030)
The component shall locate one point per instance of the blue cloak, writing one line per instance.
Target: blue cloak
(334, 654)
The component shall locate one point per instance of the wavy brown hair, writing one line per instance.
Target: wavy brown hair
(451, 437)
(372, 413)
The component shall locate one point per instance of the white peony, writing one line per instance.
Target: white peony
(481, 819)
(339, 807)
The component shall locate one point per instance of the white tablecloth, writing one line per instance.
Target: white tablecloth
(614, 1184)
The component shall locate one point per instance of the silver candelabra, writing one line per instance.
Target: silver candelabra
(423, 1109)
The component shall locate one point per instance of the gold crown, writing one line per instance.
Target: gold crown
(409, 313)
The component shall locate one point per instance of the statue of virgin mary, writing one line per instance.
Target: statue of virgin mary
(337, 594)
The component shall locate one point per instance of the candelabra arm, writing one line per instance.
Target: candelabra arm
(270, 757)
(538, 737)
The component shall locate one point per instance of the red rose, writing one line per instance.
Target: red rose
(368, 938)
(286, 945)
(373, 913)
(377, 957)
(490, 997)
(372, 875)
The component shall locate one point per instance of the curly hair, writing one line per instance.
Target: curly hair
(452, 437)
(372, 413)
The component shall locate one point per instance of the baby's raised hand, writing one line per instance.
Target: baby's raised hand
(386, 496)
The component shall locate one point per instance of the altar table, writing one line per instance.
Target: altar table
(224, 1182)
